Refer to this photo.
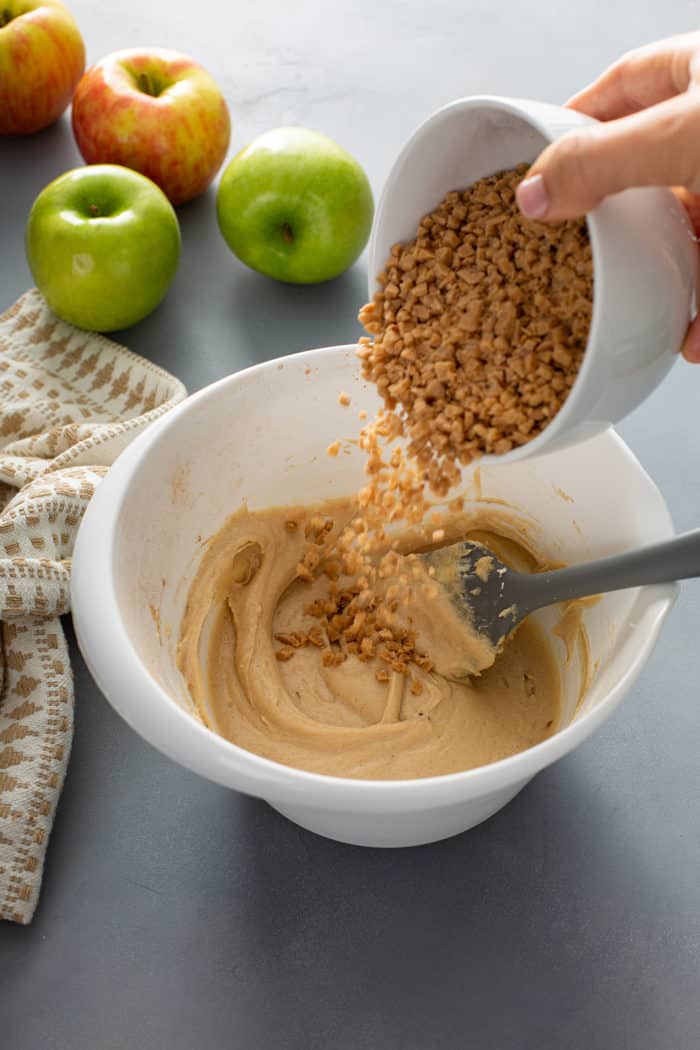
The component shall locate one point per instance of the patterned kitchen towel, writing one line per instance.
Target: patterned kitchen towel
(70, 402)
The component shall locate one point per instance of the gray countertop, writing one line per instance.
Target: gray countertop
(177, 914)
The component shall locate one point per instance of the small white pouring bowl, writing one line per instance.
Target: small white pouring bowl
(645, 258)
(260, 436)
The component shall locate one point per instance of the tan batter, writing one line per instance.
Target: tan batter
(341, 720)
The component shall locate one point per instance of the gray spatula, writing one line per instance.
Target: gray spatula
(494, 599)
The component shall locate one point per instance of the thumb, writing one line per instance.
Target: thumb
(658, 147)
(691, 345)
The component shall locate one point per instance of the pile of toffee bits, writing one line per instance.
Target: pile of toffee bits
(479, 327)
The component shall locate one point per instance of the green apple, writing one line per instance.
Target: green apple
(296, 206)
(103, 244)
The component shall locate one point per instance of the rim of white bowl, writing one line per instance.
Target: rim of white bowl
(517, 107)
(125, 681)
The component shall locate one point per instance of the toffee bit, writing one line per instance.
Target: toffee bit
(295, 639)
(317, 528)
(332, 658)
(367, 648)
(315, 636)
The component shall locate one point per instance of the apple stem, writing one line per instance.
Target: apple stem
(5, 17)
(94, 210)
(147, 84)
(287, 233)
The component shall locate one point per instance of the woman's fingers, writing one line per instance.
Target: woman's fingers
(640, 79)
(649, 103)
(657, 147)
(691, 203)
(691, 346)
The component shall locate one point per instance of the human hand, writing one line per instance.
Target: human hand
(649, 103)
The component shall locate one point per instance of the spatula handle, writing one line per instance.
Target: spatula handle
(670, 560)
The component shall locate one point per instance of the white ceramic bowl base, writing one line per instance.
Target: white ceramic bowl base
(260, 436)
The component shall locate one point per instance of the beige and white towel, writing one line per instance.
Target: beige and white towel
(70, 402)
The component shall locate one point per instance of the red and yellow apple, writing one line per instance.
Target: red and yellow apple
(42, 57)
(155, 111)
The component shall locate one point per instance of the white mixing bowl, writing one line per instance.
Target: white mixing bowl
(260, 436)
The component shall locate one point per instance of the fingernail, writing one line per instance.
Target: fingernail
(532, 197)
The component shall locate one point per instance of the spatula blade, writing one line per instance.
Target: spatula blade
(477, 583)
